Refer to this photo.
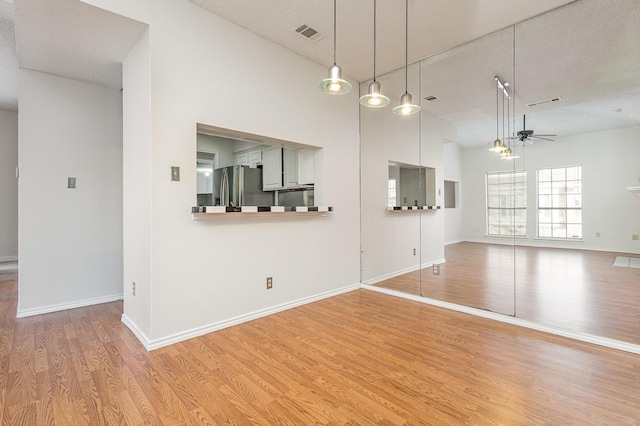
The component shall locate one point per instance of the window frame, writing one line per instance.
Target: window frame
(556, 212)
(514, 208)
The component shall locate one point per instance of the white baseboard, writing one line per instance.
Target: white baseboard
(403, 271)
(209, 328)
(64, 306)
(136, 331)
(601, 341)
(8, 258)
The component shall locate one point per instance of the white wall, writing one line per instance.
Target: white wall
(70, 239)
(136, 165)
(610, 164)
(205, 274)
(388, 239)
(453, 172)
(8, 185)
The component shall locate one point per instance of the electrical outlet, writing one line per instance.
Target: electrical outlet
(71, 183)
(414, 252)
(133, 288)
(269, 282)
(634, 237)
(436, 269)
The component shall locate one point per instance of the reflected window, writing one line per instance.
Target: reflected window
(392, 193)
(507, 203)
(560, 202)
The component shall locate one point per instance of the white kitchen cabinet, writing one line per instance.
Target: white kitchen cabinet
(306, 166)
(249, 158)
(279, 168)
(272, 168)
(290, 167)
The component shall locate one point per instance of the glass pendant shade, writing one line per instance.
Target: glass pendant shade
(374, 98)
(334, 84)
(406, 107)
(498, 146)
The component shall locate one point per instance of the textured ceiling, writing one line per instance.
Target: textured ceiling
(434, 26)
(68, 38)
(8, 58)
(584, 51)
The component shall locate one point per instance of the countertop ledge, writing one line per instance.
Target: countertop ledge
(207, 212)
(410, 208)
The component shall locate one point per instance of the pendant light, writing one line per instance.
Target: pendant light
(509, 154)
(374, 98)
(334, 84)
(498, 146)
(406, 107)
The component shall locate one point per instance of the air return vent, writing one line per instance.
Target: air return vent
(308, 33)
(546, 101)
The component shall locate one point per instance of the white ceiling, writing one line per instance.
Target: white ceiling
(586, 52)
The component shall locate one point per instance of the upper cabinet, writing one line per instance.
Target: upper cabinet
(279, 168)
(251, 158)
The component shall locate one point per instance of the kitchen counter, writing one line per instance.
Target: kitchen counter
(412, 208)
(210, 212)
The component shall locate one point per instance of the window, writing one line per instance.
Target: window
(507, 203)
(392, 193)
(560, 202)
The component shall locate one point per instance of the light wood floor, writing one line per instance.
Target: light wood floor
(358, 358)
(577, 290)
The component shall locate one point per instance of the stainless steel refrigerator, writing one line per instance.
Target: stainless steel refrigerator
(239, 186)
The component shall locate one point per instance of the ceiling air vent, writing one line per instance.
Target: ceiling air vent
(546, 101)
(430, 98)
(308, 33)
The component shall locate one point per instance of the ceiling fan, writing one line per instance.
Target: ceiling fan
(525, 136)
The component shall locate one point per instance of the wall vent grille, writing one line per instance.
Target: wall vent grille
(308, 32)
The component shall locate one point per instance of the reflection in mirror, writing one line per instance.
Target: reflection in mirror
(574, 264)
(473, 272)
(411, 185)
(580, 82)
(205, 164)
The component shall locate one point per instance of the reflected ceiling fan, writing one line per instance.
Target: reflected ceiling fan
(528, 137)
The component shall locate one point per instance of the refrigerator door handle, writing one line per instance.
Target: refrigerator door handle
(241, 186)
(224, 188)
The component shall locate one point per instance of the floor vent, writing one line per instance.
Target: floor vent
(308, 33)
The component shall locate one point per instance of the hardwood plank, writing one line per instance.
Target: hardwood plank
(578, 290)
(357, 358)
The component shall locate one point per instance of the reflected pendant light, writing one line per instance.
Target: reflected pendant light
(334, 84)
(406, 107)
(498, 146)
(374, 98)
(509, 154)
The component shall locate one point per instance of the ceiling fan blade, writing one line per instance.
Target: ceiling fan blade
(549, 136)
(543, 138)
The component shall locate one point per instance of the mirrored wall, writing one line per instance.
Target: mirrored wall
(548, 236)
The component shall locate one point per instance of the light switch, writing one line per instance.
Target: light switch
(175, 173)
(71, 182)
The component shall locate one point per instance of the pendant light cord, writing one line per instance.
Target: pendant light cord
(497, 112)
(406, 46)
(374, 39)
(334, 32)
